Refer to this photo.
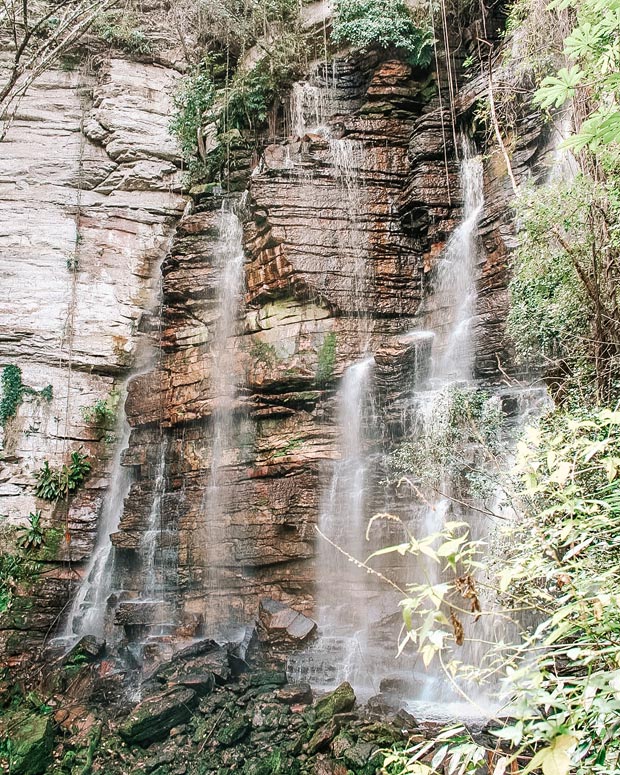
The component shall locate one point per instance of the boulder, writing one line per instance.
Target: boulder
(88, 649)
(32, 738)
(280, 625)
(153, 718)
(341, 700)
(324, 765)
(233, 732)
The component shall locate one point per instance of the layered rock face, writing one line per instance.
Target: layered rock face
(341, 230)
(89, 197)
(235, 425)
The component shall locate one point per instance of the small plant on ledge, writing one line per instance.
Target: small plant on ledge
(32, 537)
(56, 483)
(102, 414)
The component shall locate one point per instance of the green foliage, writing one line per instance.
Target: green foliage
(593, 72)
(12, 392)
(382, 24)
(326, 360)
(564, 291)
(222, 99)
(102, 413)
(565, 558)
(55, 483)
(14, 569)
(455, 748)
(461, 433)
(560, 564)
(121, 30)
(192, 103)
(32, 537)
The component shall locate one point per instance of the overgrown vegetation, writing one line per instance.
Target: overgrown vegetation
(460, 438)
(32, 536)
(326, 360)
(13, 391)
(121, 29)
(229, 95)
(102, 414)
(563, 678)
(565, 304)
(56, 483)
(386, 24)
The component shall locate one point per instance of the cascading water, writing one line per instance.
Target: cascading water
(454, 297)
(309, 108)
(229, 265)
(88, 613)
(339, 654)
(158, 560)
(353, 605)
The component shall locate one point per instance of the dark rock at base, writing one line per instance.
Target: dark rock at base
(267, 678)
(234, 732)
(32, 739)
(294, 694)
(201, 683)
(324, 765)
(200, 659)
(340, 700)
(324, 735)
(154, 717)
(87, 649)
(280, 625)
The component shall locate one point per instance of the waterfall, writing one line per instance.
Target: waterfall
(348, 160)
(310, 107)
(87, 615)
(340, 653)
(455, 293)
(357, 613)
(229, 267)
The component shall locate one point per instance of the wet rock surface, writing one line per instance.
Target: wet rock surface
(254, 723)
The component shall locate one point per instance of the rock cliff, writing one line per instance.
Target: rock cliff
(341, 231)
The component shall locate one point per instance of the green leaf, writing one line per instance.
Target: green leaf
(555, 90)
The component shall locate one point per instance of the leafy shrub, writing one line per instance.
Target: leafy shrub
(560, 565)
(382, 24)
(194, 99)
(13, 391)
(121, 30)
(565, 287)
(103, 412)
(32, 537)
(591, 74)
(461, 432)
(55, 483)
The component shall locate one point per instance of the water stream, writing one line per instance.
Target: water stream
(357, 613)
(88, 613)
(229, 267)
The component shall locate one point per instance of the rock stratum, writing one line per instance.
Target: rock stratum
(110, 276)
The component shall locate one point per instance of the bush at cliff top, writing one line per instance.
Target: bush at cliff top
(382, 24)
